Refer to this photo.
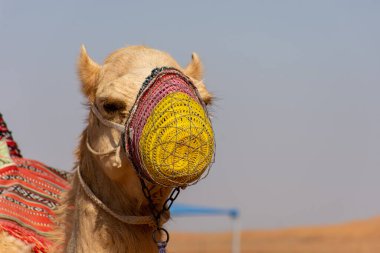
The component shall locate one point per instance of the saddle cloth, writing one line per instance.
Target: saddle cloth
(29, 192)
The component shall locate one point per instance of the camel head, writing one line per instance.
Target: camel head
(112, 89)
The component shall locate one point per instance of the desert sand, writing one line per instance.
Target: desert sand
(353, 237)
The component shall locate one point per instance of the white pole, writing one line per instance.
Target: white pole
(236, 234)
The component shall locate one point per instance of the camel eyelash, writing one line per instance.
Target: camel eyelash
(113, 106)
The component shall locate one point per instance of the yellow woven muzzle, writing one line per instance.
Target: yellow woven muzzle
(174, 145)
(177, 143)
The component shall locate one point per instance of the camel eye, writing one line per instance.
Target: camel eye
(113, 107)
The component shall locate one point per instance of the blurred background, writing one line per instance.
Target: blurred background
(297, 116)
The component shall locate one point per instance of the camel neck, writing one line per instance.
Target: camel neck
(116, 195)
(94, 230)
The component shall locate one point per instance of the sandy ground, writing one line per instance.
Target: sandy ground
(354, 237)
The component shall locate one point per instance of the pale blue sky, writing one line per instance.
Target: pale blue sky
(297, 117)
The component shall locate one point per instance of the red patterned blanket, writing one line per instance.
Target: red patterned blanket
(29, 192)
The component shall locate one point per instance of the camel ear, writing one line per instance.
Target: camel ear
(88, 71)
(195, 68)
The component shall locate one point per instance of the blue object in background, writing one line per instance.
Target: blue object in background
(179, 209)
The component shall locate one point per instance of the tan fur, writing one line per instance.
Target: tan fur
(83, 226)
(9, 244)
(195, 70)
(88, 71)
(195, 67)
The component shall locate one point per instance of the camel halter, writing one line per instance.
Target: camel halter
(128, 219)
(168, 135)
(117, 162)
(169, 139)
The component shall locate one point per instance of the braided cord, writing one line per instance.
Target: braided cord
(128, 219)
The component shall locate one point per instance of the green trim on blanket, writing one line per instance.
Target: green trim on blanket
(5, 157)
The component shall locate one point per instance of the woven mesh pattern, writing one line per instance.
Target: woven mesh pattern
(29, 192)
(169, 135)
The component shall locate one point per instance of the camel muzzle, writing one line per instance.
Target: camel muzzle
(168, 135)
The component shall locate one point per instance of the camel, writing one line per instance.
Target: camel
(116, 215)
(112, 88)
